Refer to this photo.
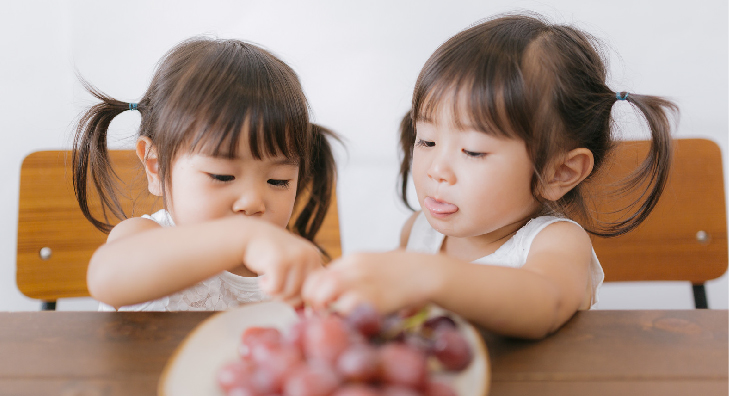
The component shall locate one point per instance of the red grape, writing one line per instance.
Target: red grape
(438, 322)
(258, 352)
(235, 374)
(269, 336)
(240, 392)
(365, 319)
(451, 349)
(356, 390)
(296, 335)
(325, 339)
(403, 365)
(261, 334)
(311, 380)
(281, 358)
(436, 388)
(266, 381)
(359, 362)
(397, 390)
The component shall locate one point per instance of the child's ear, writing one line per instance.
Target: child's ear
(566, 173)
(147, 153)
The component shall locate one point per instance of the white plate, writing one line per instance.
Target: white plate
(194, 365)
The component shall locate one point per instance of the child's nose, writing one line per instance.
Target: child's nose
(441, 171)
(249, 203)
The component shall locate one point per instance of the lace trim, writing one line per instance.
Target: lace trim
(216, 294)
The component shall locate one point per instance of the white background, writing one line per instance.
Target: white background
(358, 62)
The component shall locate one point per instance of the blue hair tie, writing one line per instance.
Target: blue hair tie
(132, 106)
(621, 95)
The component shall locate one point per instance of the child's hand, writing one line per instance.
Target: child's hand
(283, 260)
(389, 281)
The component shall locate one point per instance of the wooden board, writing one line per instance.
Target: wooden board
(665, 246)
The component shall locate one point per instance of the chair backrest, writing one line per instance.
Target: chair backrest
(55, 240)
(685, 237)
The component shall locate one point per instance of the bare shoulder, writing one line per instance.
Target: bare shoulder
(563, 239)
(131, 226)
(563, 234)
(406, 228)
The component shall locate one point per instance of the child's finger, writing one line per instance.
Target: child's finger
(310, 283)
(347, 302)
(294, 302)
(292, 282)
(263, 282)
(272, 282)
(328, 289)
(313, 282)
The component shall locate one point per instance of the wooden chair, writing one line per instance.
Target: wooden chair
(685, 237)
(55, 241)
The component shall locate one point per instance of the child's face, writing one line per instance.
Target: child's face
(205, 188)
(470, 183)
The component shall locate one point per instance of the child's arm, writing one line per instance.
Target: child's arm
(529, 302)
(142, 261)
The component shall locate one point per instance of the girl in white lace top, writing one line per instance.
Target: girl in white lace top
(509, 118)
(226, 142)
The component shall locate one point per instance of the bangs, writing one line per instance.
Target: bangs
(468, 108)
(269, 135)
(238, 90)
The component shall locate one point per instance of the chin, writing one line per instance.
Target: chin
(451, 228)
(444, 227)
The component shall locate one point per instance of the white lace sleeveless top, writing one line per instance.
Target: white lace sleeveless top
(513, 253)
(218, 293)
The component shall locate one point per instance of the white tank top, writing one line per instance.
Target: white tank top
(217, 293)
(513, 253)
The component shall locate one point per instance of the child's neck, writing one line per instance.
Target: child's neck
(475, 247)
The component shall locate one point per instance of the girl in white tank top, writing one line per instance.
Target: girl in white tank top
(509, 119)
(226, 142)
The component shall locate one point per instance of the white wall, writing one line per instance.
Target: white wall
(358, 63)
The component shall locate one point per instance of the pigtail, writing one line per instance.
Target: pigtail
(407, 141)
(653, 172)
(323, 175)
(91, 155)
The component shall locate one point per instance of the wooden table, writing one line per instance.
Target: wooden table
(595, 353)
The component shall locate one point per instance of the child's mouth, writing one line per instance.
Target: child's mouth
(439, 208)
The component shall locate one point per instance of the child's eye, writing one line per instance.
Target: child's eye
(278, 183)
(221, 178)
(473, 154)
(424, 143)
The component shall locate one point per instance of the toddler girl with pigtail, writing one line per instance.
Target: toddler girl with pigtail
(225, 140)
(510, 119)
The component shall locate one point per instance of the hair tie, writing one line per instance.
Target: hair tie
(132, 106)
(621, 95)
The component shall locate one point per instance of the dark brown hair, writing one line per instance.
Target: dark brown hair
(204, 94)
(520, 77)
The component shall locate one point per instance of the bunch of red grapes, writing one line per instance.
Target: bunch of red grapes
(360, 354)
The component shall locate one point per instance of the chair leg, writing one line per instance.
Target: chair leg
(700, 296)
(48, 306)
